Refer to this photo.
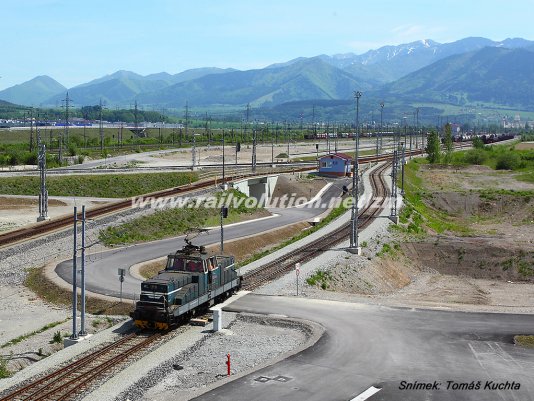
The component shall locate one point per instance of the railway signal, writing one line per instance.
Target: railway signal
(224, 215)
(121, 279)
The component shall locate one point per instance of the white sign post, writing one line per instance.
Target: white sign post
(297, 273)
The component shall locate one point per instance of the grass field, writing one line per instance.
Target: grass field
(417, 213)
(50, 292)
(172, 222)
(101, 186)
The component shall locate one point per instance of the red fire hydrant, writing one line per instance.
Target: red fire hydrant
(228, 363)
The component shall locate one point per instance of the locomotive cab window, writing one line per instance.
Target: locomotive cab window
(184, 265)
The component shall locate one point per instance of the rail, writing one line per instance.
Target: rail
(67, 382)
(286, 263)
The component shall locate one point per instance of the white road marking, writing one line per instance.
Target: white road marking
(366, 394)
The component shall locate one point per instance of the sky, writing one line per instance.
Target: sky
(76, 41)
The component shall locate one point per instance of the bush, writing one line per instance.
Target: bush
(57, 338)
(475, 156)
(508, 161)
(73, 151)
(15, 158)
(31, 158)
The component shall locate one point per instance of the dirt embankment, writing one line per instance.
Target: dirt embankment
(479, 258)
(300, 187)
(491, 268)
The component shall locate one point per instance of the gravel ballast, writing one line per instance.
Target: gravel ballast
(194, 361)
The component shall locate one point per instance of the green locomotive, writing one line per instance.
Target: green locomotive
(191, 281)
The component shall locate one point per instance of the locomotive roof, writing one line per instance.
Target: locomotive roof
(165, 275)
(191, 251)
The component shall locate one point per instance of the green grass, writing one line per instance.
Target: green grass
(415, 195)
(52, 293)
(389, 249)
(33, 333)
(105, 185)
(4, 371)
(526, 177)
(524, 341)
(498, 157)
(321, 278)
(171, 222)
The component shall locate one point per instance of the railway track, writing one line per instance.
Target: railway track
(69, 381)
(46, 227)
(286, 263)
(36, 230)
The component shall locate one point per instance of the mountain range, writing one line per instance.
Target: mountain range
(468, 70)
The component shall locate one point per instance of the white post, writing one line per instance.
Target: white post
(297, 273)
(217, 319)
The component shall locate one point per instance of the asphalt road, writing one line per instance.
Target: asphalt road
(102, 268)
(368, 345)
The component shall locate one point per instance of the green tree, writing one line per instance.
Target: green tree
(433, 148)
(448, 143)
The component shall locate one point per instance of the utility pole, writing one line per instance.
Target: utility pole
(194, 153)
(354, 248)
(186, 123)
(136, 118)
(223, 165)
(254, 134)
(286, 125)
(83, 332)
(328, 136)
(31, 129)
(101, 128)
(74, 335)
(335, 137)
(272, 149)
(313, 122)
(402, 149)
(67, 105)
(43, 195)
(247, 113)
(394, 168)
(381, 124)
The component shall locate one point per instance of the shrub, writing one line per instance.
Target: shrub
(508, 161)
(56, 339)
(475, 156)
(73, 151)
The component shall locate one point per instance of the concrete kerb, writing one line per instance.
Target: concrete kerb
(316, 331)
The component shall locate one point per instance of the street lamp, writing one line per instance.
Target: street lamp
(354, 248)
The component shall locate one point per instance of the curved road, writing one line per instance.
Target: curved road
(369, 345)
(101, 268)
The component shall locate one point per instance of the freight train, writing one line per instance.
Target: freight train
(486, 138)
(191, 282)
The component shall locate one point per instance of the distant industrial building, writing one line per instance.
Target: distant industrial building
(335, 165)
